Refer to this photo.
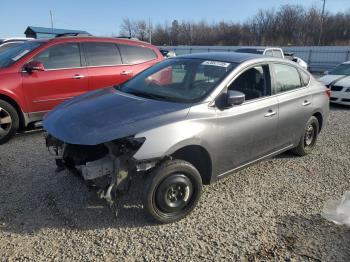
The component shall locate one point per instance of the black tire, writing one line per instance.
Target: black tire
(172, 191)
(7, 113)
(308, 139)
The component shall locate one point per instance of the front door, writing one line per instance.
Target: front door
(63, 78)
(248, 131)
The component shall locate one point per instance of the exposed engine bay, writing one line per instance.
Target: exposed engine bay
(108, 166)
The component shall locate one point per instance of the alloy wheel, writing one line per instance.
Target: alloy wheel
(5, 122)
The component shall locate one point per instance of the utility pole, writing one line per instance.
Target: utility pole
(51, 19)
(321, 26)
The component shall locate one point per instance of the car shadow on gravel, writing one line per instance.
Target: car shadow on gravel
(306, 239)
(65, 202)
(314, 238)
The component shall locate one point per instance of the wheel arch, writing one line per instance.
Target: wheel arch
(319, 117)
(199, 157)
(17, 107)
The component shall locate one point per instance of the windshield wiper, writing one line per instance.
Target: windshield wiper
(148, 95)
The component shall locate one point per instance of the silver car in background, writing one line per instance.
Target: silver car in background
(185, 122)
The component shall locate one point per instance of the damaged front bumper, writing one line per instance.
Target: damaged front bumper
(109, 166)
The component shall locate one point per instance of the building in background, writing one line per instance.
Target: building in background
(44, 32)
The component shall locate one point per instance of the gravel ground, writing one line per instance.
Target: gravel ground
(270, 211)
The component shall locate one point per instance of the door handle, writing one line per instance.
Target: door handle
(126, 72)
(270, 113)
(306, 103)
(78, 76)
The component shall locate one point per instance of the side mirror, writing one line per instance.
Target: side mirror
(34, 66)
(234, 98)
(325, 72)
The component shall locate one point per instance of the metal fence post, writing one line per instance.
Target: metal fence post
(347, 55)
(309, 58)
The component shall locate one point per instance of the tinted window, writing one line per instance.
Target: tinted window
(136, 54)
(286, 77)
(254, 82)
(277, 53)
(60, 56)
(99, 54)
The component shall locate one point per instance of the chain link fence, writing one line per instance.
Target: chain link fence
(319, 58)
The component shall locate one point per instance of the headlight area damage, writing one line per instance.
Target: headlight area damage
(108, 166)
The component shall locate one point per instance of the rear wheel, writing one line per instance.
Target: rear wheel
(9, 121)
(308, 139)
(172, 191)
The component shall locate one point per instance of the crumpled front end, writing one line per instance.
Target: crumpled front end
(108, 166)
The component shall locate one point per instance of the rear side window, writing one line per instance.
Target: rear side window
(60, 56)
(136, 54)
(102, 54)
(286, 77)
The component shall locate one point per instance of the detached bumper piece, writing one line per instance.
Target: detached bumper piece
(108, 166)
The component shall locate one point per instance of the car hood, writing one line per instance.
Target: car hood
(327, 79)
(107, 114)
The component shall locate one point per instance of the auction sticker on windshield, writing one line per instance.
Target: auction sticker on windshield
(216, 63)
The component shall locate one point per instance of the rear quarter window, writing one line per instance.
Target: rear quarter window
(305, 77)
(136, 54)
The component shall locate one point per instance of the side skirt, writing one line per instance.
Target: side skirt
(284, 149)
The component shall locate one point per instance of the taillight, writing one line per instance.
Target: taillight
(328, 92)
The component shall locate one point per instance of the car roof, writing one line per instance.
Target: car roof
(97, 39)
(230, 57)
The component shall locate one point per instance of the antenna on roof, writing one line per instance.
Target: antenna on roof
(51, 19)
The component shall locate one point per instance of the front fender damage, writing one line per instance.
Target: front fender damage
(109, 166)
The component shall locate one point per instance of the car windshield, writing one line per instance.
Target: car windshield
(12, 55)
(184, 80)
(343, 69)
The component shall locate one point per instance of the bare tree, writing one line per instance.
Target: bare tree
(287, 25)
(128, 28)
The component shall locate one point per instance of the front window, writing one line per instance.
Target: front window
(60, 56)
(343, 69)
(183, 80)
(253, 83)
(12, 55)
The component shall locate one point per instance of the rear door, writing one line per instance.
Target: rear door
(105, 66)
(64, 77)
(295, 102)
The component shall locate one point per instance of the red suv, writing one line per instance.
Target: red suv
(40, 74)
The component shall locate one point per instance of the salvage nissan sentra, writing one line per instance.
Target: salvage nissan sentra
(185, 122)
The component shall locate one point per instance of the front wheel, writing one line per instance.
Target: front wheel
(308, 139)
(9, 121)
(172, 191)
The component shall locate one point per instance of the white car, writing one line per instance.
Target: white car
(301, 62)
(274, 51)
(338, 80)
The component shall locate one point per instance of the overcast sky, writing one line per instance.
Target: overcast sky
(103, 17)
